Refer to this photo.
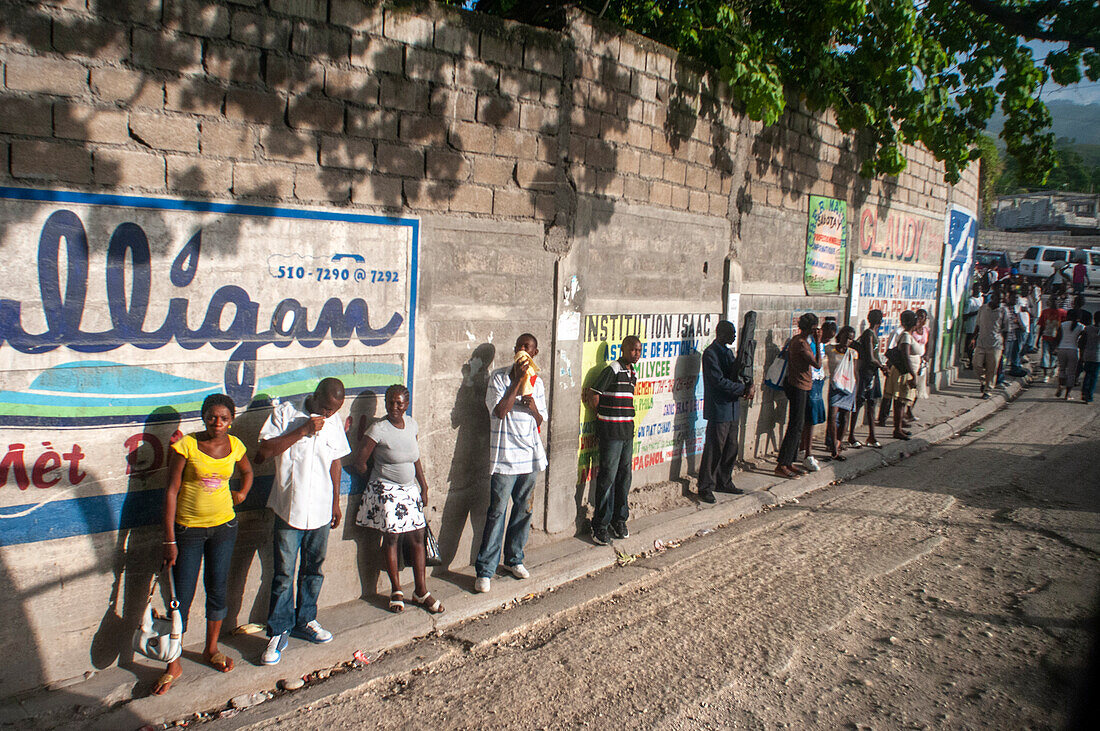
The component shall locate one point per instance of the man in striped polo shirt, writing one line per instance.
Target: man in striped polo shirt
(612, 398)
(516, 456)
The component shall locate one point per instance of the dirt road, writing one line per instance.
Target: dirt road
(951, 590)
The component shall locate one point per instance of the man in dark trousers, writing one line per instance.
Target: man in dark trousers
(721, 390)
(612, 398)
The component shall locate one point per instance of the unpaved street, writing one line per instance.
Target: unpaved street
(951, 590)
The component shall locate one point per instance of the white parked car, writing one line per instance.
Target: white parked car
(1039, 261)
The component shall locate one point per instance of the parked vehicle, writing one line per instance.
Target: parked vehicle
(1039, 261)
(985, 259)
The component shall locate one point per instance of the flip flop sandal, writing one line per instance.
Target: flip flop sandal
(855, 445)
(436, 607)
(875, 444)
(220, 662)
(397, 602)
(164, 682)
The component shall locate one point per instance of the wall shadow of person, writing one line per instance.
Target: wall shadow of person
(773, 407)
(136, 556)
(688, 427)
(467, 496)
(366, 409)
(588, 457)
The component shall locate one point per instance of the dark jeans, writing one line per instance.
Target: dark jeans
(213, 549)
(797, 400)
(609, 500)
(719, 457)
(1088, 382)
(289, 542)
(502, 487)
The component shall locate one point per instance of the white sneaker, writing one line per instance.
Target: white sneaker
(811, 464)
(519, 571)
(275, 647)
(481, 585)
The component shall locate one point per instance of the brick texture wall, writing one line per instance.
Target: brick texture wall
(531, 156)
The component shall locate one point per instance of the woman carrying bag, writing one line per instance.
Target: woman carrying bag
(396, 495)
(200, 524)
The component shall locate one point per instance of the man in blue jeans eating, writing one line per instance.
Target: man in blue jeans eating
(516, 456)
(307, 440)
(612, 398)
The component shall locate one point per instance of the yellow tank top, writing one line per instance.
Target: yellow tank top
(204, 499)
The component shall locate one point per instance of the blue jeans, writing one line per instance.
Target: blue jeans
(1013, 353)
(609, 499)
(1088, 381)
(519, 488)
(312, 544)
(213, 549)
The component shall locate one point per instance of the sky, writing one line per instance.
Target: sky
(1085, 92)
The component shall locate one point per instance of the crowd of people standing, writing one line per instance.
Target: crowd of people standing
(1009, 320)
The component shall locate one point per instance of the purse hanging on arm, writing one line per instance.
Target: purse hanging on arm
(160, 638)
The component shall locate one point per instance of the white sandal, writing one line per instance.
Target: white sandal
(436, 607)
(397, 602)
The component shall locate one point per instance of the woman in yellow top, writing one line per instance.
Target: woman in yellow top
(200, 525)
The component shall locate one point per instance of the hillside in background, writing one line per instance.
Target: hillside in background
(1078, 122)
(1077, 129)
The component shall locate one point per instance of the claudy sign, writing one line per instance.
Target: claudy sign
(120, 310)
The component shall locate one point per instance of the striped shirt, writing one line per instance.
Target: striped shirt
(514, 444)
(615, 413)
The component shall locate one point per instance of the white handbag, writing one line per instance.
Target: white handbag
(160, 638)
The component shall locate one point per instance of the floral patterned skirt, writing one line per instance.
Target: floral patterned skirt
(391, 508)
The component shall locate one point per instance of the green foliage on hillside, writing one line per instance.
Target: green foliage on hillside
(896, 71)
(1073, 171)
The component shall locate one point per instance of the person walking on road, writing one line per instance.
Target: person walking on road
(1069, 346)
(1080, 277)
(803, 355)
(1050, 322)
(612, 398)
(1090, 355)
(721, 392)
(200, 522)
(992, 326)
(307, 441)
(516, 400)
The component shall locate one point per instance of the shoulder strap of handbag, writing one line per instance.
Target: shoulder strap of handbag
(173, 602)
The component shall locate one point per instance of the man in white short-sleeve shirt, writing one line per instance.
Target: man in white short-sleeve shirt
(307, 440)
(516, 456)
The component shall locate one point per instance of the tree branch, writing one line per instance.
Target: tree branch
(1026, 22)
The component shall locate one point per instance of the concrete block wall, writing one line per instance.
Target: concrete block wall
(530, 156)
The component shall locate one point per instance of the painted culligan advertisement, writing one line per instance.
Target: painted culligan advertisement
(826, 245)
(120, 314)
(958, 259)
(668, 400)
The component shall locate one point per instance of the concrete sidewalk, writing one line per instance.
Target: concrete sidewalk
(103, 701)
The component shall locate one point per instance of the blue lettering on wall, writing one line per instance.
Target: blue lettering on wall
(289, 322)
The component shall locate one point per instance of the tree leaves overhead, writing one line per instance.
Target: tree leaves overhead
(897, 71)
